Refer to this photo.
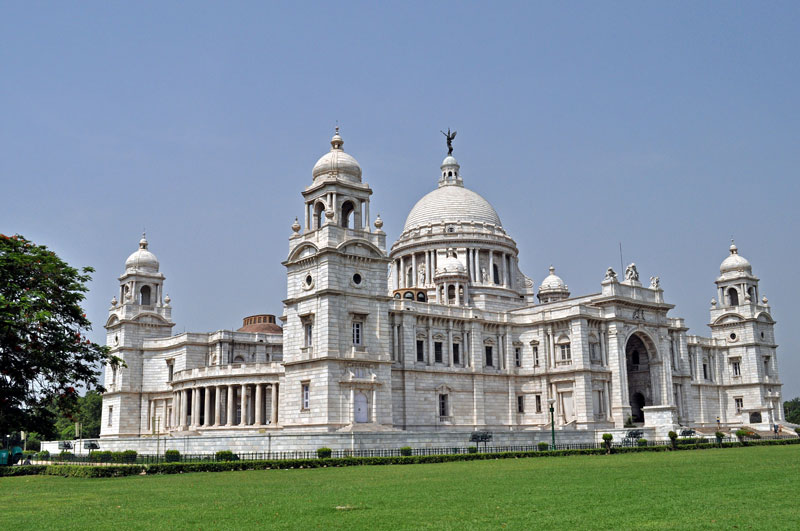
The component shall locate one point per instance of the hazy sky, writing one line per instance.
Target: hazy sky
(669, 127)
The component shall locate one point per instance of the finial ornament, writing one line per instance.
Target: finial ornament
(450, 137)
(296, 226)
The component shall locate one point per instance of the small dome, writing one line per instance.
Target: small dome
(552, 282)
(337, 163)
(448, 161)
(735, 263)
(142, 259)
(451, 265)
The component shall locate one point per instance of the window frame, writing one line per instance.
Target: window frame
(438, 352)
(488, 353)
(420, 351)
(520, 403)
(305, 395)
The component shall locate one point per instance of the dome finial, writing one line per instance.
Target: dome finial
(336, 141)
(143, 241)
(552, 269)
(733, 248)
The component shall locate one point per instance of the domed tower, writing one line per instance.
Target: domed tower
(744, 325)
(552, 288)
(336, 338)
(452, 281)
(452, 221)
(141, 312)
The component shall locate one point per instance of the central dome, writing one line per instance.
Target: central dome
(451, 204)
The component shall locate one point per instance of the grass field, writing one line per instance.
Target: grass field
(745, 488)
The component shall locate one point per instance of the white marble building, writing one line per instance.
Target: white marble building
(441, 333)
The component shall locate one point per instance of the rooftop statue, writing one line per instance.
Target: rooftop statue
(631, 273)
(449, 136)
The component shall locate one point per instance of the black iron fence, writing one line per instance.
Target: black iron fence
(129, 457)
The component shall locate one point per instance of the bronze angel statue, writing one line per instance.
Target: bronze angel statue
(449, 136)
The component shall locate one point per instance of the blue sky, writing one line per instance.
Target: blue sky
(668, 127)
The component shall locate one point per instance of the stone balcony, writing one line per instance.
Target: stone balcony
(234, 369)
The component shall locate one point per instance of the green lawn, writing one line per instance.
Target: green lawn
(751, 488)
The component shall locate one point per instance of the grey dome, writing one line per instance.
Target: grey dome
(735, 263)
(337, 163)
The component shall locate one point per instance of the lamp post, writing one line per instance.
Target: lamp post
(552, 401)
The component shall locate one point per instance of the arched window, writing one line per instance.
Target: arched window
(319, 214)
(752, 292)
(451, 294)
(408, 295)
(496, 273)
(421, 297)
(144, 298)
(238, 359)
(347, 214)
(733, 297)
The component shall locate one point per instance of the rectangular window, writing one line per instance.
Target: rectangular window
(305, 396)
(739, 405)
(599, 403)
(521, 404)
(309, 334)
(518, 357)
(594, 351)
(443, 406)
(672, 351)
(420, 350)
(566, 354)
(538, 403)
(437, 351)
(737, 369)
(456, 353)
(535, 356)
(110, 414)
(489, 356)
(357, 332)
(170, 372)
(705, 371)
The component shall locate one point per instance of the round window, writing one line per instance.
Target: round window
(356, 279)
(733, 336)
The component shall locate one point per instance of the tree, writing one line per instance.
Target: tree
(44, 352)
(791, 410)
(88, 411)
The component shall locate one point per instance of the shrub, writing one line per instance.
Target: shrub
(172, 456)
(629, 422)
(324, 453)
(543, 446)
(44, 454)
(741, 433)
(797, 430)
(607, 438)
(673, 438)
(719, 435)
(405, 450)
(472, 449)
(65, 456)
(100, 456)
(226, 455)
(642, 442)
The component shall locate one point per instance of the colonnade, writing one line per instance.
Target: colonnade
(216, 406)
(418, 279)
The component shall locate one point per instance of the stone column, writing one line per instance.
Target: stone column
(450, 344)
(414, 269)
(402, 273)
(258, 421)
(491, 267)
(352, 406)
(231, 409)
(196, 406)
(184, 409)
(217, 405)
(274, 416)
(243, 402)
(430, 341)
(397, 274)
(428, 274)
(207, 414)
(458, 293)
(366, 226)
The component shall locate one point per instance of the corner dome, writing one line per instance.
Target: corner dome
(451, 265)
(142, 259)
(451, 204)
(552, 281)
(735, 263)
(337, 164)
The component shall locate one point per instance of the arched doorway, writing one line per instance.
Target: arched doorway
(637, 362)
(361, 413)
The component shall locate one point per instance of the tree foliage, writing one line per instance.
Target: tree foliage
(791, 409)
(87, 411)
(44, 352)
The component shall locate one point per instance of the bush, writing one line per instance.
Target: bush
(172, 456)
(64, 456)
(226, 455)
(719, 435)
(44, 454)
(629, 422)
(543, 446)
(100, 456)
(324, 453)
(673, 438)
(642, 442)
(405, 450)
(472, 449)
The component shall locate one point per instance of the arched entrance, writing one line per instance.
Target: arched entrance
(361, 413)
(637, 363)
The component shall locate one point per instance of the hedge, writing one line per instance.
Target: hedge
(179, 468)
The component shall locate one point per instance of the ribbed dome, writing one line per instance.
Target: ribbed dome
(735, 263)
(338, 163)
(142, 259)
(450, 204)
(451, 265)
(552, 282)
